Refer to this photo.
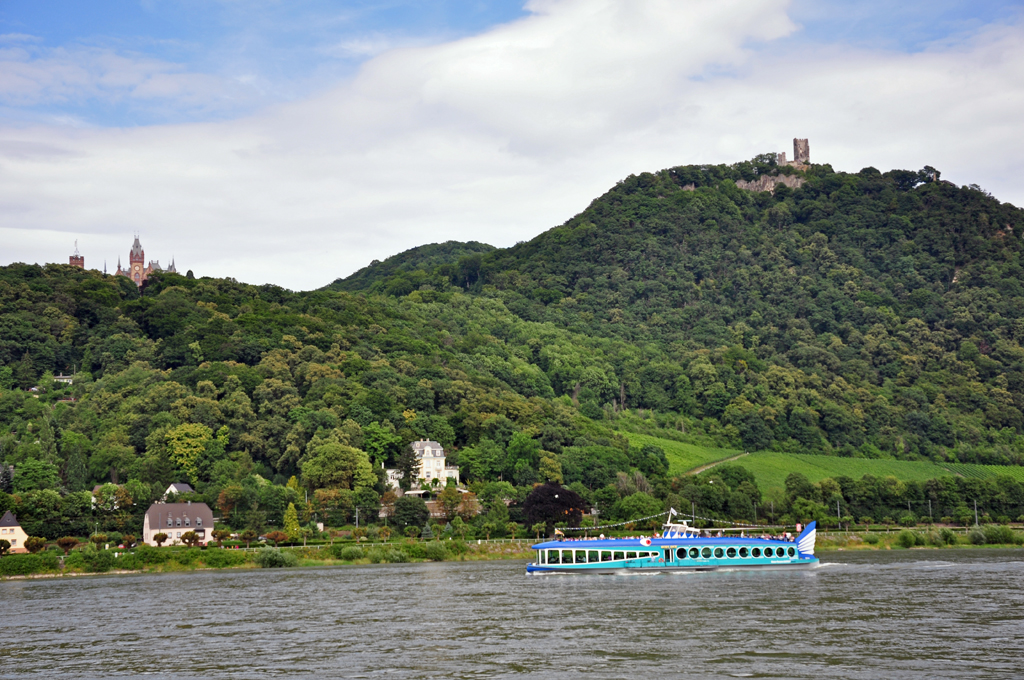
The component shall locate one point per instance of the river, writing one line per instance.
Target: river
(884, 614)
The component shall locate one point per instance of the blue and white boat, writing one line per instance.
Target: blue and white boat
(679, 548)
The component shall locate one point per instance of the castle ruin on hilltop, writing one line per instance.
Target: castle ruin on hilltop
(801, 154)
(801, 160)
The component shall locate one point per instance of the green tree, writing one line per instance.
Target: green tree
(449, 500)
(248, 536)
(336, 465)
(186, 444)
(291, 522)
(75, 448)
(33, 475)
(34, 544)
(381, 442)
(368, 502)
(407, 466)
(637, 506)
(160, 538)
(458, 526)
(5, 546)
(190, 538)
(551, 469)
(221, 535)
(411, 511)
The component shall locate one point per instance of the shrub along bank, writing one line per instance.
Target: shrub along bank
(90, 560)
(985, 536)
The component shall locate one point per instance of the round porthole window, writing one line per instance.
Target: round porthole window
(705, 553)
(744, 552)
(731, 552)
(719, 553)
(791, 552)
(756, 552)
(681, 553)
(694, 553)
(768, 552)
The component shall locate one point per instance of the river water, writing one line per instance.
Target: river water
(885, 614)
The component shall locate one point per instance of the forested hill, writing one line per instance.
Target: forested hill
(862, 315)
(868, 313)
(425, 257)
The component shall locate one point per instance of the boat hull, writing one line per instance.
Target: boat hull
(800, 565)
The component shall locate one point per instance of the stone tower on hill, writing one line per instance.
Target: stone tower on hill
(801, 151)
(77, 260)
(137, 270)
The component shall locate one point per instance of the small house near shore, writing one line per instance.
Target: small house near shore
(12, 532)
(175, 519)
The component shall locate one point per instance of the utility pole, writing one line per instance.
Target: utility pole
(930, 510)
(693, 512)
(975, 512)
(755, 513)
(357, 517)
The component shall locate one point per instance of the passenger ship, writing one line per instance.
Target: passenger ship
(680, 548)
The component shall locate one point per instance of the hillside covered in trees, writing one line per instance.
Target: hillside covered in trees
(859, 315)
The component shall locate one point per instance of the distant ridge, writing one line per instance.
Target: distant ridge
(426, 257)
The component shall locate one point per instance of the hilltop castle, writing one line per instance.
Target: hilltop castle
(801, 153)
(137, 270)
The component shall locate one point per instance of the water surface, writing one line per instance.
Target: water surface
(885, 614)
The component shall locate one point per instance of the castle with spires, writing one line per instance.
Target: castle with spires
(137, 270)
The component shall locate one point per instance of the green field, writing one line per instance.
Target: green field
(985, 471)
(771, 468)
(681, 457)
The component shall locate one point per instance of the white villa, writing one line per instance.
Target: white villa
(430, 456)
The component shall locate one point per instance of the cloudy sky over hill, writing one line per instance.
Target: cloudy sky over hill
(293, 142)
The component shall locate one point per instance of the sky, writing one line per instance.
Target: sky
(294, 142)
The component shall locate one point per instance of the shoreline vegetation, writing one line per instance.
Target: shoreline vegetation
(146, 559)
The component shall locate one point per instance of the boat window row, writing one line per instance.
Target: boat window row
(731, 553)
(590, 556)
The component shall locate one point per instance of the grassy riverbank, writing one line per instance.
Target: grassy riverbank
(149, 559)
(990, 536)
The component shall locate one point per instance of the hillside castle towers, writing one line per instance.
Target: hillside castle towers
(801, 153)
(137, 270)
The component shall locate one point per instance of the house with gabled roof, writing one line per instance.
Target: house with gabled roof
(175, 519)
(11, 531)
(177, 489)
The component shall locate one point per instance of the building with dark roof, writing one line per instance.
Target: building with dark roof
(12, 532)
(178, 488)
(175, 519)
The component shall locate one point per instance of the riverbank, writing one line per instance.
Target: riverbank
(146, 559)
(990, 536)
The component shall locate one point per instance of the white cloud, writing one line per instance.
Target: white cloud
(31, 74)
(500, 136)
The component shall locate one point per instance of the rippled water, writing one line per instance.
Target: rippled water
(948, 614)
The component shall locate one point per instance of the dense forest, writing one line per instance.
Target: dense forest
(861, 315)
